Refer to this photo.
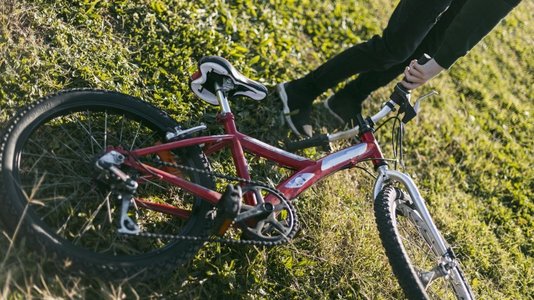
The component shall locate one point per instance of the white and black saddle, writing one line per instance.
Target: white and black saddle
(215, 71)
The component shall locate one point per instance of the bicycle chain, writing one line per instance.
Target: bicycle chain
(220, 239)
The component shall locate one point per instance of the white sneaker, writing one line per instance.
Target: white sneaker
(297, 117)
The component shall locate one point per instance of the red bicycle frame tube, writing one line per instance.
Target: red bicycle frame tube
(307, 171)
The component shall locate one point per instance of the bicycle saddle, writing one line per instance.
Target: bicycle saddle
(215, 69)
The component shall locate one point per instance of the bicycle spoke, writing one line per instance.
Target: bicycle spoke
(63, 201)
(58, 158)
(122, 128)
(53, 157)
(89, 222)
(90, 126)
(422, 254)
(135, 137)
(63, 227)
(89, 134)
(105, 129)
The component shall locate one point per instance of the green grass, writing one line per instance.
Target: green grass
(471, 151)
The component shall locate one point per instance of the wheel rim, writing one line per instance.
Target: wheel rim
(55, 170)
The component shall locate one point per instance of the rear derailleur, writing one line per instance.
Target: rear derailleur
(124, 188)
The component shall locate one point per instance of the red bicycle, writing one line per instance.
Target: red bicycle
(116, 187)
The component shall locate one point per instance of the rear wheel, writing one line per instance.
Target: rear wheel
(50, 183)
(422, 272)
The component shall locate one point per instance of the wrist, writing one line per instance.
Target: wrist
(433, 68)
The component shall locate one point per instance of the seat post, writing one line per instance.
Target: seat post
(223, 101)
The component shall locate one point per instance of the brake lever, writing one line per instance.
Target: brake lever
(417, 104)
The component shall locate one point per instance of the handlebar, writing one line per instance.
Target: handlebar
(316, 141)
(400, 97)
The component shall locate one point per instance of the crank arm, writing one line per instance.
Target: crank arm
(260, 210)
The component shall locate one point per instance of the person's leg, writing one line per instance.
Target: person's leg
(347, 102)
(407, 27)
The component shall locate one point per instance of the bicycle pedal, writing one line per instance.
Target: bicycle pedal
(230, 203)
(226, 210)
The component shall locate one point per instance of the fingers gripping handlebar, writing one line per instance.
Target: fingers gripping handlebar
(401, 95)
(421, 60)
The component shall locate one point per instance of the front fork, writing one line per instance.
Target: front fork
(384, 176)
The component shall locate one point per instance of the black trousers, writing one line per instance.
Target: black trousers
(413, 29)
(356, 91)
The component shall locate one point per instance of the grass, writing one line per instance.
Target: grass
(471, 151)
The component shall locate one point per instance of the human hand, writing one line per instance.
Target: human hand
(415, 75)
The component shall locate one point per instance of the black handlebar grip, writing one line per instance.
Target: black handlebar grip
(424, 59)
(316, 141)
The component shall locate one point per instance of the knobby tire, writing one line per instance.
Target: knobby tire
(395, 229)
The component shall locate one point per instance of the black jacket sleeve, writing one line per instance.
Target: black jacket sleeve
(476, 19)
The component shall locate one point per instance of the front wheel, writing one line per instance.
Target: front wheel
(423, 270)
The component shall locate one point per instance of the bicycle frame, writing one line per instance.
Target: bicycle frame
(306, 171)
